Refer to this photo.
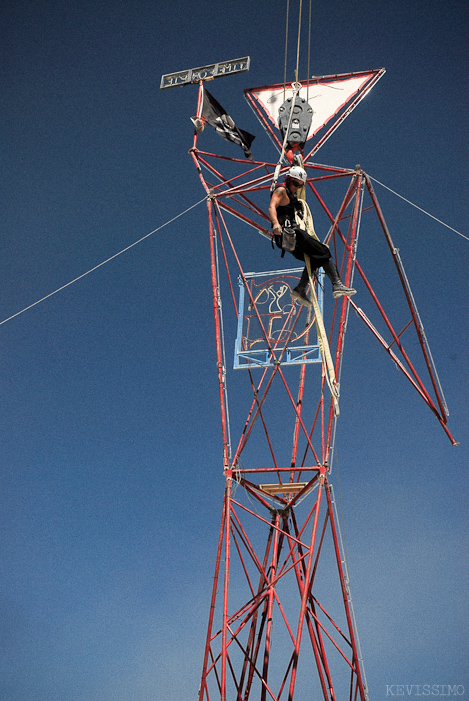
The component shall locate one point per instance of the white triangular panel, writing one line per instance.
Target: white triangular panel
(327, 96)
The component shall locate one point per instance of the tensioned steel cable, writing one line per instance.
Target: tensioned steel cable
(51, 294)
(420, 208)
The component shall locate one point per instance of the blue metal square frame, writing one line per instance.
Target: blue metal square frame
(277, 286)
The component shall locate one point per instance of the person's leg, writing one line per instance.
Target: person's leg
(317, 251)
(299, 292)
(320, 256)
(338, 287)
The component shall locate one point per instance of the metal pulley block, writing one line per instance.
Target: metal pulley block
(300, 123)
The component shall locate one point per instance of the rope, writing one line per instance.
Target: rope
(420, 208)
(51, 294)
(347, 314)
(296, 86)
(307, 221)
(323, 344)
(286, 49)
(328, 364)
(309, 49)
(298, 43)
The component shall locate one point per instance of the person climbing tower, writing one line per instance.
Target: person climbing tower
(284, 209)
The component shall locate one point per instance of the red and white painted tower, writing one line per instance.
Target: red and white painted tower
(281, 621)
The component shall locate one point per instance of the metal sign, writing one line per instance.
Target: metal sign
(331, 97)
(214, 70)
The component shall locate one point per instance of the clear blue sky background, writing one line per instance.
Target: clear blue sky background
(111, 484)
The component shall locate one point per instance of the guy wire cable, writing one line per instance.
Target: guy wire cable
(419, 208)
(51, 294)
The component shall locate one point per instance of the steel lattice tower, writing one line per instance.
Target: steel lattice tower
(281, 622)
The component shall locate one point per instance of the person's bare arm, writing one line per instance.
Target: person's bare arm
(275, 202)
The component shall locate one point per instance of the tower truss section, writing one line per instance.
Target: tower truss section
(281, 622)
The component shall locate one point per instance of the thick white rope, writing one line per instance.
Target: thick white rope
(323, 344)
(286, 48)
(103, 263)
(306, 223)
(298, 43)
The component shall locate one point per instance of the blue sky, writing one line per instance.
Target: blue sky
(110, 451)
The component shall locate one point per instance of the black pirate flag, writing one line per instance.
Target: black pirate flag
(214, 114)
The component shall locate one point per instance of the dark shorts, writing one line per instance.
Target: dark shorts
(317, 251)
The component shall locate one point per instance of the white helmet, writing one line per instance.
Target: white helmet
(298, 173)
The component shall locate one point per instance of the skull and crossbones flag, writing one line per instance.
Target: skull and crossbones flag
(214, 114)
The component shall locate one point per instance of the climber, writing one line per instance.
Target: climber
(284, 205)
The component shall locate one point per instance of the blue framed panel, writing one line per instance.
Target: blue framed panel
(275, 315)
